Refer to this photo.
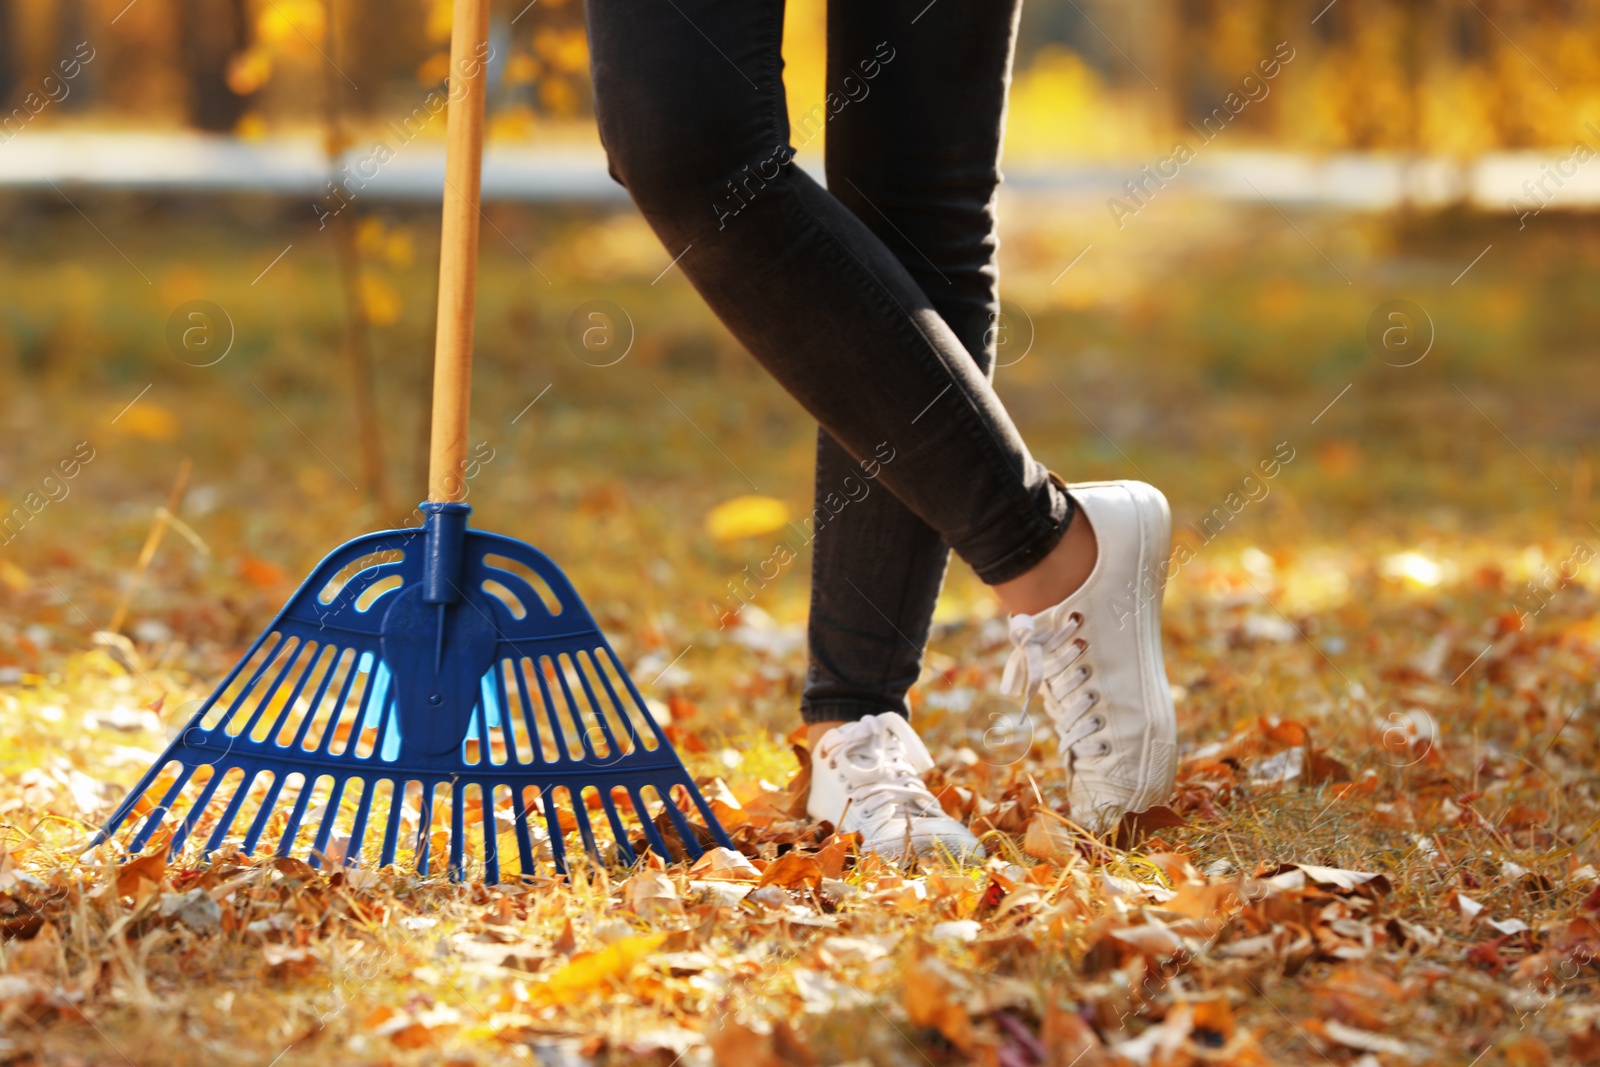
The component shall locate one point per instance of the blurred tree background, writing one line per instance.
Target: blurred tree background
(1094, 77)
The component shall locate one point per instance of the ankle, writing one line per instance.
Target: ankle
(1060, 574)
(817, 730)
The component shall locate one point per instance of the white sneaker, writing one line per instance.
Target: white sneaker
(1096, 659)
(866, 776)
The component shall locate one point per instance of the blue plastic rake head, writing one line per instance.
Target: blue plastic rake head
(418, 680)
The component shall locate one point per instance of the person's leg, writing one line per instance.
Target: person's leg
(689, 98)
(915, 155)
(691, 111)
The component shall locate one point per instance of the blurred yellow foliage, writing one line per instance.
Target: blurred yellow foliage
(515, 123)
(249, 70)
(591, 970)
(439, 20)
(565, 50)
(746, 516)
(434, 69)
(149, 420)
(805, 64)
(379, 300)
(1059, 105)
(521, 69)
(292, 25)
(251, 126)
(394, 244)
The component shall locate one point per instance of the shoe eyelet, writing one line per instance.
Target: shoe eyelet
(1099, 722)
(1094, 697)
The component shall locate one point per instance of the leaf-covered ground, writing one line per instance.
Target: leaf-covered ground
(1382, 847)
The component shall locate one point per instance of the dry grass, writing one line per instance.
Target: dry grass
(1357, 692)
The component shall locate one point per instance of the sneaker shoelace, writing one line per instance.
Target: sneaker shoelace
(1041, 651)
(883, 783)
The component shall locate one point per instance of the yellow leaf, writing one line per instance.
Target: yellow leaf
(249, 70)
(295, 25)
(251, 127)
(440, 14)
(746, 516)
(379, 300)
(146, 419)
(521, 69)
(398, 249)
(15, 578)
(434, 69)
(370, 235)
(590, 970)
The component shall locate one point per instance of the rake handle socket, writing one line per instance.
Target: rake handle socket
(445, 527)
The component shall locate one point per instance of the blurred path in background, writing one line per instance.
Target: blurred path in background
(196, 162)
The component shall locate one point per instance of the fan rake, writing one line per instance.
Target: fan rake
(432, 675)
(334, 714)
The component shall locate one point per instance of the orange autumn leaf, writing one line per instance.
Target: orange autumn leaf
(793, 871)
(261, 573)
(931, 1002)
(588, 971)
(138, 878)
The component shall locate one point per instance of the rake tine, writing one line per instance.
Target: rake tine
(612, 748)
(691, 844)
(491, 837)
(576, 709)
(329, 817)
(519, 820)
(308, 786)
(552, 819)
(316, 699)
(513, 749)
(480, 716)
(312, 654)
(389, 733)
(638, 702)
(425, 827)
(159, 813)
(197, 809)
(580, 812)
(651, 834)
(271, 694)
(231, 812)
(259, 823)
(266, 661)
(373, 710)
(391, 834)
(358, 829)
(128, 803)
(494, 713)
(336, 711)
(715, 827)
(617, 829)
(458, 831)
(557, 734)
(616, 701)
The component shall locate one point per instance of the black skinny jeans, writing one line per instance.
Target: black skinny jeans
(870, 301)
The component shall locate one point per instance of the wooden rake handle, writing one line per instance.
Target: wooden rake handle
(458, 252)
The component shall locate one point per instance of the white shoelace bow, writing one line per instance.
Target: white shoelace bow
(885, 779)
(1026, 671)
